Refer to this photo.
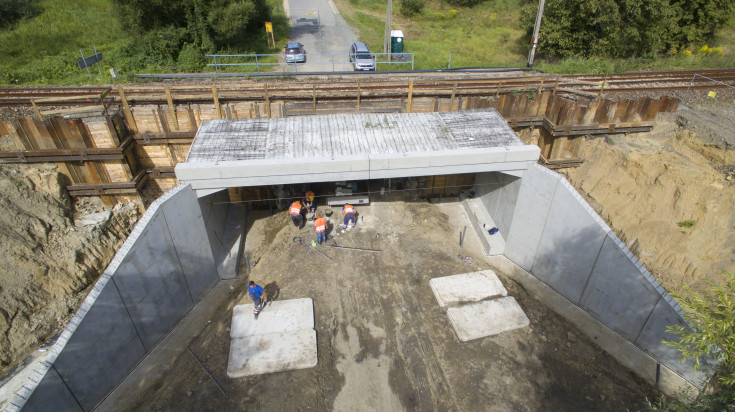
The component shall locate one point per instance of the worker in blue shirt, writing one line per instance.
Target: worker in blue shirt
(259, 297)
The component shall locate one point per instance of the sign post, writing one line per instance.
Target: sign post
(269, 30)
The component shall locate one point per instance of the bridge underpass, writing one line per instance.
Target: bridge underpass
(549, 232)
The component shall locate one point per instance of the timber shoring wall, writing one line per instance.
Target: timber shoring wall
(134, 144)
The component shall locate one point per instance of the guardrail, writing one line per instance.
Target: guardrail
(334, 62)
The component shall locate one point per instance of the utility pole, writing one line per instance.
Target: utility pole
(536, 28)
(388, 15)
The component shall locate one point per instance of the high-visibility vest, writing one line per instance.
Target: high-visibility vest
(349, 209)
(295, 209)
(320, 225)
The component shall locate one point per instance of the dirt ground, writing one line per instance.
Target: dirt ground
(383, 341)
(670, 193)
(52, 248)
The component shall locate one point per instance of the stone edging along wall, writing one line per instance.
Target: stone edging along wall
(558, 238)
(163, 268)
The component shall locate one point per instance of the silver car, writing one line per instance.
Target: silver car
(361, 58)
(295, 53)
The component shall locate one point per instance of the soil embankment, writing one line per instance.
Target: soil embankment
(669, 194)
(52, 249)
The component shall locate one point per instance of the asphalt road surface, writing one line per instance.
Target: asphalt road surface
(324, 34)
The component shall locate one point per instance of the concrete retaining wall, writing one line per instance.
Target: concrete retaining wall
(225, 224)
(162, 269)
(498, 193)
(557, 237)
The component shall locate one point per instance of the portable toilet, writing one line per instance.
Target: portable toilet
(396, 41)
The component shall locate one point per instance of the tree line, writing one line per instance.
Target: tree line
(614, 28)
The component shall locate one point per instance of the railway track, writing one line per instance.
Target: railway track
(452, 84)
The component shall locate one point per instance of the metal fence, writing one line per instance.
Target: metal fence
(315, 62)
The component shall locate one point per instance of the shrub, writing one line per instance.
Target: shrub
(411, 7)
(14, 10)
(191, 58)
(711, 316)
(464, 3)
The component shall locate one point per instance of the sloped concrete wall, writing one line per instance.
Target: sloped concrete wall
(161, 270)
(225, 224)
(498, 193)
(557, 237)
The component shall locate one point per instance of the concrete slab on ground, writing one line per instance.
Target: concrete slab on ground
(277, 317)
(467, 287)
(274, 352)
(487, 318)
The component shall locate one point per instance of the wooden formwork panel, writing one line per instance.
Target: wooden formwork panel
(118, 171)
(183, 120)
(146, 119)
(179, 152)
(99, 134)
(243, 110)
(154, 156)
(543, 101)
(7, 129)
(422, 105)
(203, 112)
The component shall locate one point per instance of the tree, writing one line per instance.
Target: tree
(206, 21)
(711, 316)
(623, 28)
(14, 10)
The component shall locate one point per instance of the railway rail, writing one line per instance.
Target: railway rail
(451, 84)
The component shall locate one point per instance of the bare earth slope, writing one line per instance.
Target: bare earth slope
(669, 194)
(51, 250)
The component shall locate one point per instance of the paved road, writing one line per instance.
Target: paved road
(324, 34)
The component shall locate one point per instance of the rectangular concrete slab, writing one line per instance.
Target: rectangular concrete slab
(152, 283)
(507, 204)
(51, 395)
(532, 208)
(274, 352)
(467, 287)
(617, 293)
(185, 223)
(278, 317)
(654, 333)
(101, 351)
(571, 240)
(487, 318)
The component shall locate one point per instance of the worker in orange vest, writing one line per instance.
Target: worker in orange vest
(295, 210)
(349, 213)
(320, 226)
(309, 201)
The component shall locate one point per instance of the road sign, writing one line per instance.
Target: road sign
(88, 61)
(268, 27)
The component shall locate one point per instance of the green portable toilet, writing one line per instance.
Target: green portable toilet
(396, 41)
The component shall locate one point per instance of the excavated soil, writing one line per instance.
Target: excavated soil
(670, 193)
(52, 248)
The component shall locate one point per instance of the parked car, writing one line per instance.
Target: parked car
(295, 53)
(361, 58)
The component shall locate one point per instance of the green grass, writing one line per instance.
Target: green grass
(687, 223)
(486, 35)
(44, 49)
(489, 35)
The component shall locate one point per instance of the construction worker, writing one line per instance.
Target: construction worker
(309, 201)
(349, 213)
(295, 210)
(258, 296)
(320, 226)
